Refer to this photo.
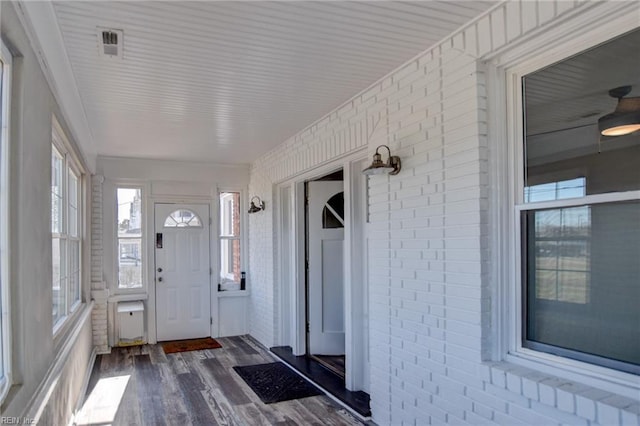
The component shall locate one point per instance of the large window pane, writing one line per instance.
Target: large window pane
(59, 279)
(56, 192)
(230, 254)
(73, 204)
(230, 214)
(129, 237)
(583, 285)
(563, 104)
(74, 271)
(229, 262)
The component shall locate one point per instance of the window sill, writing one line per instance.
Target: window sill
(545, 389)
(128, 297)
(233, 293)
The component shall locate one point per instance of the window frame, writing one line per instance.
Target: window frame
(60, 144)
(241, 235)
(510, 158)
(143, 243)
(6, 62)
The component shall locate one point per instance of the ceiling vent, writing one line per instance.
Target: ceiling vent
(110, 42)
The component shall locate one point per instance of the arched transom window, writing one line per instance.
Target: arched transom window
(182, 218)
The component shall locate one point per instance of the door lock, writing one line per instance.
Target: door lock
(160, 279)
(159, 269)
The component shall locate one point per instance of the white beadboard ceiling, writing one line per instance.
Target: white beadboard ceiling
(227, 81)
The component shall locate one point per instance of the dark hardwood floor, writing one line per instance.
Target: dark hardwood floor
(143, 386)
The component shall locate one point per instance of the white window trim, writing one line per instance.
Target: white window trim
(61, 144)
(144, 241)
(242, 238)
(5, 294)
(510, 178)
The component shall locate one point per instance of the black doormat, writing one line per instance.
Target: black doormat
(275, 382)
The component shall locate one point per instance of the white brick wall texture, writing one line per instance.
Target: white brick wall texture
(429, 286)
(99, 293)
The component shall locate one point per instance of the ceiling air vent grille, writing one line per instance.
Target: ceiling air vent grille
(110, 42)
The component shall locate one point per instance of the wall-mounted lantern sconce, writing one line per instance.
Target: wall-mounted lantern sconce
(625, 119)
(377, 167)
(256, 208)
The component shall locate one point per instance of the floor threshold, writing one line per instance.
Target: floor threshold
(327, 380)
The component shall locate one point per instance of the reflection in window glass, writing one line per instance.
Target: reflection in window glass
(583, 291)
(129, 237)
(562, 254)
(572, 188)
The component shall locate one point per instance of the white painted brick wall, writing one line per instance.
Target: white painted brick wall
(428, 241)
(99, 293)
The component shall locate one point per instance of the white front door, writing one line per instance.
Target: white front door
(182, 271)
(326, 277)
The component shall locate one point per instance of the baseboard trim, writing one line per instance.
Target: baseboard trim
(38, 401)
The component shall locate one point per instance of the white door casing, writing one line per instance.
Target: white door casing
(182, 272)
(326, 275)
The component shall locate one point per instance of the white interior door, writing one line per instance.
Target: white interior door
(183, 302)
(326, 276)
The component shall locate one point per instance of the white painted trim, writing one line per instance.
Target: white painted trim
(500, 212)
(323, 168)
(284, 280)
(5, 228)
(572, 35)
(296, 301)
(38, 401)
(356, 288)
(40, 23)
(299, 269)
(85, 386)
(575, 32)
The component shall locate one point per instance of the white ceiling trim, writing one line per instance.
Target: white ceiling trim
(39, 21)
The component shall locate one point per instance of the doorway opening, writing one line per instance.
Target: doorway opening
(324, 261)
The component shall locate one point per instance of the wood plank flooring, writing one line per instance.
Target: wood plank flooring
(143, 386)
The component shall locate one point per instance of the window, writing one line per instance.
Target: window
(182, 219)
(129, 223)
(65, 230)
(230, 275)
(333, 212)
(5, 348)
(579, 212)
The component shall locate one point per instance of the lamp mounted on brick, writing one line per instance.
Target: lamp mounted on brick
(378, 167)
(256, 208)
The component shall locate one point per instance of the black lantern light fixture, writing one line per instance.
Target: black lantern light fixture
(625, 119)
(256, 208)
(378, 167)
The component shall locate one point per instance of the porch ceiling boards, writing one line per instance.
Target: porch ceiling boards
(227, 81)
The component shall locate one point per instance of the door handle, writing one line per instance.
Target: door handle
(159, 269)
(160, 279)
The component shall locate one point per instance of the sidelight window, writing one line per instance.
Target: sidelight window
(129, 225)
